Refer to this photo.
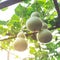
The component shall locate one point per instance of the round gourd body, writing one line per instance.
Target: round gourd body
(34, 24)
(20, 44)
(44, 36)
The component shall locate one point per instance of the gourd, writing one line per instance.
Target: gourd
(44, 36)
(35, 14)
(34, 24)
(20, 43)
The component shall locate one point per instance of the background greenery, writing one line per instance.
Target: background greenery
(48, 14)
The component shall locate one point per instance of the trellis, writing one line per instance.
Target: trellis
(8, 3)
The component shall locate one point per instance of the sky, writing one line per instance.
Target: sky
(6, 15)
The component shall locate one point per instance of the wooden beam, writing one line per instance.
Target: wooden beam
(57, 7)
(8, 3)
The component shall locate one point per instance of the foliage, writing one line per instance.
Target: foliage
(3, 9)
(17, 23)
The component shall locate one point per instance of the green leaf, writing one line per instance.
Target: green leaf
(37, 6)
(3, 30)
(15, 17)
(5, 44)
(32, 50)
(51, 46)
(3, 22)
(26, 1)
(52, 58)
(16, 27)
(20, 10)
(16, 56)
(4, 9)
(58, 44)
(58, 57)
(29, 10)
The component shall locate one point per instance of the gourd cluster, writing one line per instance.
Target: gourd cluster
(34, 23)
